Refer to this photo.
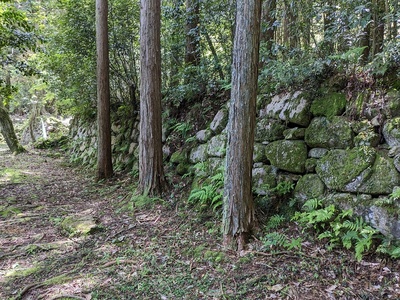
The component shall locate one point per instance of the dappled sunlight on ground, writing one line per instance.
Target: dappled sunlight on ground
(152, 250)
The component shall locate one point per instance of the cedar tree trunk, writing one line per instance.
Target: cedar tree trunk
(104, 160)
(151, 172)
(7, 130)
(238, 216)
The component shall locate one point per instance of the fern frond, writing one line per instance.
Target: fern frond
(274, 222)
(312, 204)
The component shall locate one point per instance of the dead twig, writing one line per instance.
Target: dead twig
(27, 289)
(113, 262)
(66, 296)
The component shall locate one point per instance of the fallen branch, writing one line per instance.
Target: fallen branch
(66, 296)
(123, 261)
(27, 289)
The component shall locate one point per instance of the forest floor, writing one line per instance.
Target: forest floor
(158, 250)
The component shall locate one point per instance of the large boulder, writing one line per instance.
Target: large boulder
(289, 107)
(294, 133)
(391, 132)
(198, 154)
(384, 221)
(383, 179)
(287, 155)
(345, 170)
(264, 179)
(217, 146)
(393, 103)
(329, 105)
(309, 186)
(219, 122)
(269, 130)
(329, 133)
(204, 135)
(259, 153)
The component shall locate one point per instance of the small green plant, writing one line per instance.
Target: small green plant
(389, 247)
(276, 240)
(144, 201)
(210, 194)
(274, 222)
(183, 128)
(339, 227)
(283, 188)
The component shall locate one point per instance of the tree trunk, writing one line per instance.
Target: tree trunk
(192, 56)
(269, 18)
(238, 217)
(215, 55)
(378, 7)
(151, 172)
(7, 130)
(328, 44)
(365, 38)
(104, 160)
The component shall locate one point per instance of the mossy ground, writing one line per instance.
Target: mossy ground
(166, 250)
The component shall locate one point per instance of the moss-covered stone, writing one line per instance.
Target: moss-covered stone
(264, 179)
(182, 168)
(339, 168)
(219, 122)
(391, 132)
(329, 105)
(287, 155)
(393, 99)
(79, 225)
(317, 152)
(387, 223)
(289, 107)
(367, 138)
(269, 130)
(204, 135)
(217, 146)
(180, 156)
(294, 133)
(329, 133)
(215, 164)
(383, 179)
(198, 154)
(259, 153)
(311, 164)
(309, 186)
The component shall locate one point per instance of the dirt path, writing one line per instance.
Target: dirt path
(160, 250)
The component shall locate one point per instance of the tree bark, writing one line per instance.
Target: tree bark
(192, 56)
(7, 130)
(269, 18)
(365, 38)
(104, 159)
(378, 7)
(215, 55)
(151, 172)
(238, 216)
(328, 44)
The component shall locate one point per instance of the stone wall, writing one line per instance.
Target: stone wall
(313, 143)
(124, 137)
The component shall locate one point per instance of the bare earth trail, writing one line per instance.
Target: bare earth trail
(158, 251)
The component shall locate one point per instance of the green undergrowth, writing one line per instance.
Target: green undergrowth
(336, 228)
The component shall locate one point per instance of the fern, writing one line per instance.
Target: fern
(274, 222)
(389, 247)
(339, 228)
(276, 240)
(312, 204)
(210, 194)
